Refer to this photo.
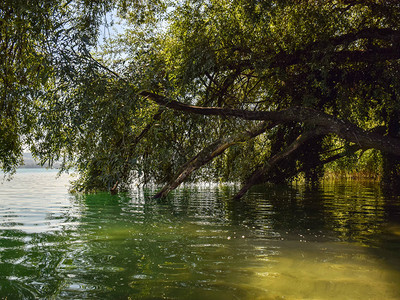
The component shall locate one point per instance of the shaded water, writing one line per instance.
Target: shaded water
(340, 242)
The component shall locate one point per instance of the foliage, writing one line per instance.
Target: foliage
(66, 96)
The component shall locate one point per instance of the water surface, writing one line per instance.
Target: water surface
(339, 242)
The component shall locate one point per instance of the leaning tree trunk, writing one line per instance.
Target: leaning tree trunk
(208, 154)
(391, 162)
(310, 159)
(258, 175)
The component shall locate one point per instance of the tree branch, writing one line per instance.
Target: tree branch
(209, 153)
(330, 124)
(325, 49)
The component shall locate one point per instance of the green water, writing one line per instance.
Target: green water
(340, 242)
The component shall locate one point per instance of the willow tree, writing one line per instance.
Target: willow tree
(249, 91)
(42, 47)
(57, 101)
(309, 71)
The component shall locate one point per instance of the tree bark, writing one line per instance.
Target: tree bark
(327, 123)
(209, 153)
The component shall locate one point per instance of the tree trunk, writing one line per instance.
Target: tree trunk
(208, 154)
(258, 176)
(391, 162)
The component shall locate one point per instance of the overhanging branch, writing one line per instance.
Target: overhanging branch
(326, 123)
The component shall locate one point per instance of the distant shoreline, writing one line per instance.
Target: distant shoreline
(30, 163)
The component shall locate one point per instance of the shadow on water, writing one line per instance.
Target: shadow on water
(337, 242)
(351, 227)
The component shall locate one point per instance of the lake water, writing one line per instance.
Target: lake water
(340, 242)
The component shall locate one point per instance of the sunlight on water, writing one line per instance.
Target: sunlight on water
(34, 201)
(339, 242)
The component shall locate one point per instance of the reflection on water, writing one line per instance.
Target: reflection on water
(340, 242)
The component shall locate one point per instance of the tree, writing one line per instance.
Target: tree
(42, 43)
(253, 91)
(299, 60)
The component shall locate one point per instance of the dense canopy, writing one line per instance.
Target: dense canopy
(230, 90)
